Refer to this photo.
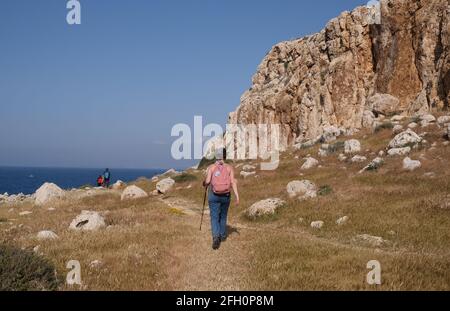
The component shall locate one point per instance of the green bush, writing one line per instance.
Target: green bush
(384, 126)
(336, 147)
(325, 190)
(22, 270)
(184, 177)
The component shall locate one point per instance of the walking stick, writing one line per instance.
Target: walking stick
(203, 210)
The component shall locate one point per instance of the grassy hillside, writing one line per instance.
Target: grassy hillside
(155, 243)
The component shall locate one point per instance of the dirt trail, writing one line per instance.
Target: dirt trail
(201, 267)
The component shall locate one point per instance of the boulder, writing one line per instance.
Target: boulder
(317, 224)
(341, 221)
(399, 151)
(247, 174)
(342, 157)
(412, 125)
(248, 168)
(165, 185)
(330, 134)
(118, 185)
(368, 118)
(373, 241)
(397, 129)
(47, 193)
(374, 165)
(309, 163)
(404, 139)
(302, 189)
(428, 118)
(88, 221)
(443, 120)
(411, 165)
(384, 104)
(46, 235)
(397, 118)
(265, 207)
(133, 192)
(352, 146)
(358, 159)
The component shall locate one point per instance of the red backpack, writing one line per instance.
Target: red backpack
(220, 178)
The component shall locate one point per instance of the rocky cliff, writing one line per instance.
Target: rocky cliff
(354, 71)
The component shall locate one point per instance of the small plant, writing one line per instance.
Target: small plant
(325, 190)
(3, 220)
(22, 270)
(384, 126)
(184, 177)
(337, 146)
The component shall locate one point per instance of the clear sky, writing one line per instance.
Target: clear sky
(106, 93)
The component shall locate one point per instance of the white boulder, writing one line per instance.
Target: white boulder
(352, 146)
(399, 151)
(374, 165)
(404, 139)
(330, 133)
(46, 235)
(48, 192)
(303, 189)
(133, 192)
(384, 104)
(411, 165)
(118, 184)
(309, 163)
(373, 241)
(358, 159)
(265, 207)
(443, 120)
(248, 168)
(88, 221)
(165, 185)
(341, 221)
(317, 224)
(245, 174)
(397, 129)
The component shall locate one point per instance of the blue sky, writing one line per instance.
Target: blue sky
(106, 93)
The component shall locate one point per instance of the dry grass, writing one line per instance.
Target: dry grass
(154, 246)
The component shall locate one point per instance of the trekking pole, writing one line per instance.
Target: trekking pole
(203, 210)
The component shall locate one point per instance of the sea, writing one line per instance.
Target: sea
(27, 180)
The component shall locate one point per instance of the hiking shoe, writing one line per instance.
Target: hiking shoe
(223, 238)
(216, 243)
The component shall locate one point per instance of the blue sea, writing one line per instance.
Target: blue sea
(27, 180)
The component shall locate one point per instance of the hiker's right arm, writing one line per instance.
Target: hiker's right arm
(234, 185)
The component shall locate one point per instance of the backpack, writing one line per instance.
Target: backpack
(220, 179)
(107, 175)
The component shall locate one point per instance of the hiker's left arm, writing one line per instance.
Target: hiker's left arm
(234, 185)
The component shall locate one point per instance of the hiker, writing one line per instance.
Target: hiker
(220, 180)
(106, 178)
(100, 181)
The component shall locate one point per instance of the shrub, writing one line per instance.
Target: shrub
(384, 126)
(22, 270)
(324, 190)
(184, 177)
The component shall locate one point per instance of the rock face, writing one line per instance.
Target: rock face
(87, 221)
(265, 207)
(133, 192)
(303, 189)
(165, 185)
(48, 192)
(354, 71)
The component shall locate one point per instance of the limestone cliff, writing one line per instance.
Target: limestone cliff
(354, 71)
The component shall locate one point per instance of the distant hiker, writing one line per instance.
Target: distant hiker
(220, 180)
(106, 178)
(100, 181)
